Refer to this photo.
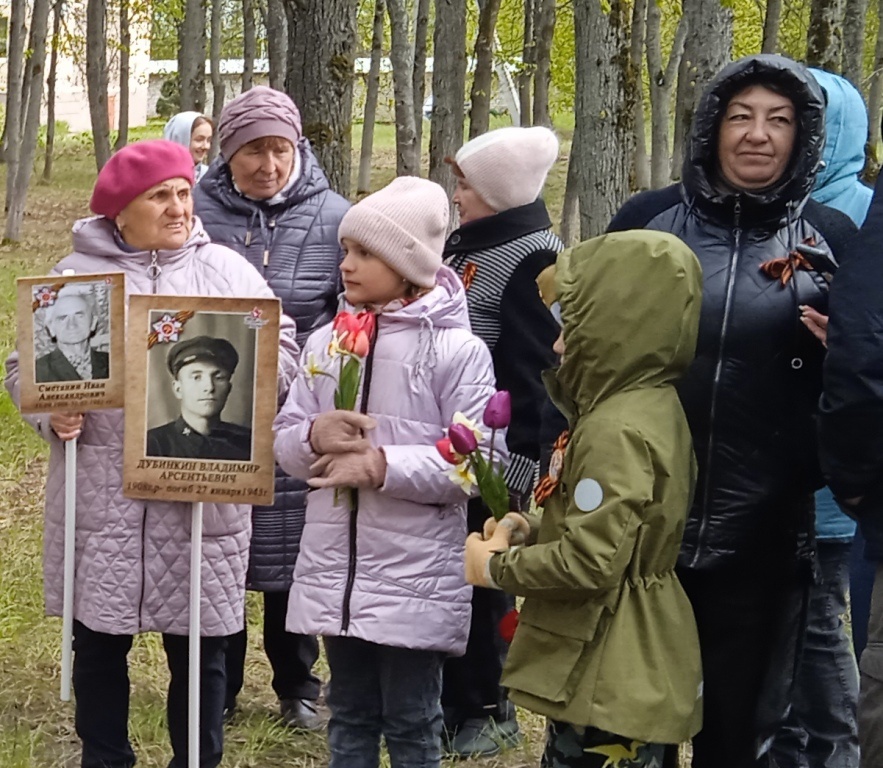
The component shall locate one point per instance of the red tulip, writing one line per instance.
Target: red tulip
(360, 345)
(355, 331)
(507, 626)
(447, 451)
(345, 322)
(498, 412)
(462, 439)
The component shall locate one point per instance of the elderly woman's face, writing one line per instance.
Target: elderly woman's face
(756, 138)
(159, 219)
(262, 167)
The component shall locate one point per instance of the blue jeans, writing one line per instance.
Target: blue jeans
(821, 731)
(380, 690)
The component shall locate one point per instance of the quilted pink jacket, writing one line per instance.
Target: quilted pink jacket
(392, 573)
(133, 556)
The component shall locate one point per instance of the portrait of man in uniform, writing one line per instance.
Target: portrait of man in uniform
(202, 370)
(71, 323)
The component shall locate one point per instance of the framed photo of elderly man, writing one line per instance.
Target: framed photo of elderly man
(71, 337)
(201, 396)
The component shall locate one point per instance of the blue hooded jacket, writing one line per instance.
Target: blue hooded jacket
(837, 184)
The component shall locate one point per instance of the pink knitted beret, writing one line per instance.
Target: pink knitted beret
(257, 113)
(135, 169)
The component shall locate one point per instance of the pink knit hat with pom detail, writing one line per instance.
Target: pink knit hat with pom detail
(508, 167)
(404, 224)
(135, 169)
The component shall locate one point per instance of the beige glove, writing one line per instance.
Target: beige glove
(518, 524)
(341, 432)
(354, 470)
(479, 551)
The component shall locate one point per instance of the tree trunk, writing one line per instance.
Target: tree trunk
(854, 17)
(824, 41)
(96, 78)
(18, 32)
(641, 167)
(570, 208)
(125, 43)
(706, 51)
(50, 91)
(771, 20)
(249, 45)
(421, 32)
(528, 62)
(322, 37)
(661, 81)
(32, 92)
(482, 78)
(191, 57)
(875, 102)
(277, 42)
(363, 185)
(217, 16)
(545, 34)
(401, 56)
(448, 89)
(605, 106)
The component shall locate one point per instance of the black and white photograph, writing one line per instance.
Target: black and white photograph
(198, 412)
(68, 326)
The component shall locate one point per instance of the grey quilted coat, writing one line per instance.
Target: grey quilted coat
(133, 556)
(294, 245)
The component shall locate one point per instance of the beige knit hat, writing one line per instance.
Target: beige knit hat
(404, 224)
(508, 167)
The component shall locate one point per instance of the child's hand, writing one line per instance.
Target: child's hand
(341, 432)
(356, 470)
(480, 551)
(515, 522)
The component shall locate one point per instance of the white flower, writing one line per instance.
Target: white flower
(463, 476)
(334, 349)
(312, 369)
(460, 418)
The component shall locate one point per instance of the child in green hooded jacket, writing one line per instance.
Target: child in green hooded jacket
(606, 645)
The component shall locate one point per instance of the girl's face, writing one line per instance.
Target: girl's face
(200, 141)
(367, 279)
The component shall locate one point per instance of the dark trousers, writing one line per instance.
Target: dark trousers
(291, 656)
(571, 746)
(101, 687)
(821, 731)
(861, 585)
(378, 690)
(870, 703)
(750, 624)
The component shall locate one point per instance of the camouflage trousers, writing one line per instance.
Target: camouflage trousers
(573, 746)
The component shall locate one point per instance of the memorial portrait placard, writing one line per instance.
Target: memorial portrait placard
(201, 398)
(71, 337)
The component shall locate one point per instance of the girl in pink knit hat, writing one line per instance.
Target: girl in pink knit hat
(379, 574)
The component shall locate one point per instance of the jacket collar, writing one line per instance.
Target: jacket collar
(500, 228)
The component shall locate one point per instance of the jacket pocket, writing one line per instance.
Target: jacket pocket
(545, 665)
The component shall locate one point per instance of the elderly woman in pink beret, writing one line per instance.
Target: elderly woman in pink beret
(132, 556)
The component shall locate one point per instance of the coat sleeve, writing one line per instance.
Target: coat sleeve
(607, 485)
(465, 383)
(292, 425)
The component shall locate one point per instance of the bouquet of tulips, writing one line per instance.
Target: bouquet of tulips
(460, 448)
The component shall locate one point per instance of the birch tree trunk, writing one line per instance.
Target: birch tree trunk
(448, 89)
(824, 40)
(51, 79)
(854, 15)
(363, 185)
(570, 209)
(319, 77)
(32, 96)
(249, 45)
(125, 48)
(545, 34)
(421, 32)
(18, 32)
(277, 42)
(191, 56)
(706, 52)
(482, 79)
(771, 21)
(605, 107)
(528, 63)
(401, 56)
(875, 102)
(641, 166)
(215, 69)
(662, 78)
(96, 78)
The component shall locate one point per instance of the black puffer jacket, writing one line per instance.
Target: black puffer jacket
(751, 393)
(294, 245)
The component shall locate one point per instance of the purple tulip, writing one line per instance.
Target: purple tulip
(498, 412)
(462, 439)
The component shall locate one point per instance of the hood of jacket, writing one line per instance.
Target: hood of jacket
(630, 308)
(701, 171)
(846, 124)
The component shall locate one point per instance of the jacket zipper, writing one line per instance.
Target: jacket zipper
(154, 270)
(354, 512)
(271, 224)
(728, 306)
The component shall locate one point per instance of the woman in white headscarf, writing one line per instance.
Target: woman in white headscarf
(194, 131)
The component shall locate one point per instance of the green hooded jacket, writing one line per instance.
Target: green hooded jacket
(606, 636)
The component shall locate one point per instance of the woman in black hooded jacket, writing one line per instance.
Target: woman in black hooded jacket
(752, 391)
